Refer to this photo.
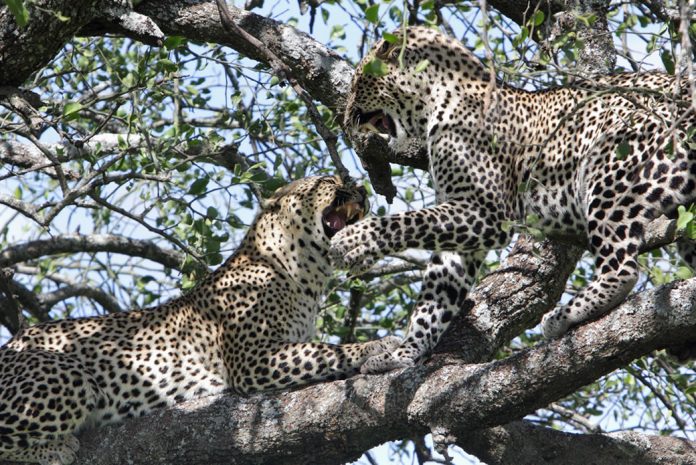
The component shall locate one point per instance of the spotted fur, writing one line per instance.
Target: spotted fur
(245, 327)
(599, 160)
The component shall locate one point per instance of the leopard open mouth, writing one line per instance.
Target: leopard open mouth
(376, 121)
(336, 217)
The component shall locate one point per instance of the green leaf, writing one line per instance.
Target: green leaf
(536, 233)
(19, 11)
(683, 272)
(389, 37)
(668, 61)
(168, 65)
(198, 186)
(375, 67)
(422, 65)
(70, 109)
(532, 218)
(172, 42)
(538, 18)
(685, 217)
(372, 14)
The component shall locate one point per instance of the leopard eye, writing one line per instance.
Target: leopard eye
(387, 51)
(381, 52)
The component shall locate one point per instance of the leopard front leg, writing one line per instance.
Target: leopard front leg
(273, 365)
(446, 282)
(456, 226)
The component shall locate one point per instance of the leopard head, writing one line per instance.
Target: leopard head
(316, 208)
(402, 84)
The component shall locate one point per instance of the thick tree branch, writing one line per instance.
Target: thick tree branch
(516, 295)
(344, 418)
(321, 71)
(24, 50)
(522, 442)
(75, 243)
(30, 158)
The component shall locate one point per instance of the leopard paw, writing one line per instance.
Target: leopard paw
(56, 452)
(357, 247)
(387, 344)
(555, 324)
(384, 362)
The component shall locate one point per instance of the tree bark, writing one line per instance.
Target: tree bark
(76, 243)
(523, 443)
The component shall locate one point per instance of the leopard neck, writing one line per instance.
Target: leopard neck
(290, 247)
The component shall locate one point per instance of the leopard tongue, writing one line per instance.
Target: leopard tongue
(335, 220)
(379, 122)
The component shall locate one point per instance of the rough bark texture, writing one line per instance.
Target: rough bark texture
(75, 243)
(523, 443)
(24, 50)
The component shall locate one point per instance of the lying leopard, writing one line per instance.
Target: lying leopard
(599, 160)
(245, 327)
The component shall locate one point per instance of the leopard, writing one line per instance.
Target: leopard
(246, 327)
(598, 159)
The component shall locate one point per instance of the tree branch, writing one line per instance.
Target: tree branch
(282, 71)
(31, 158)
(75, 243)
(344, 418)
(515, 296)
(24, 50)
(525, 443)
(107, 302)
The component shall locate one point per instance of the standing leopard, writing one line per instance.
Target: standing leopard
(599, 160)
(245, 327)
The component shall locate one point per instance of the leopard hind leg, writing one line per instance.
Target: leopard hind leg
(44, 398)
(59, 451)
(615, 250)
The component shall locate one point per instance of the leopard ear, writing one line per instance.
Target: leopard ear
(274, 201)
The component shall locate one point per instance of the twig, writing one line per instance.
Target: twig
(351, 319)
(657, 393)
(26, 209)
(169, 237)
(370, 458)
(575, 418)
(285, 74)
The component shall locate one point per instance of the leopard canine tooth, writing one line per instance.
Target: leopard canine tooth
(351, 210)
